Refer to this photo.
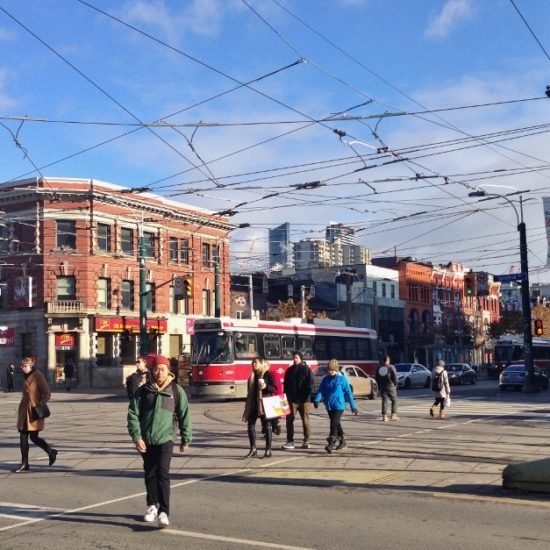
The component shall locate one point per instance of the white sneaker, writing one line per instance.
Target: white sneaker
(288, 445)
(163, 520)
(151, 514)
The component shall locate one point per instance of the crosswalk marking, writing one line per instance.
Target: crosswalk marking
(18, 511)
(480, 408)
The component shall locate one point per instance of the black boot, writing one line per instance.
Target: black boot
(22, 469)
(331, 444)
(268, 441)
(53, 456)
(252, 440)
(341, 443)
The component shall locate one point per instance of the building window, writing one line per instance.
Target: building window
(66, 234)
(127, 240)
(184, 251)
(374, 287)
(383, 290)
(206, 302)
(66, 288)
(173, 248)
(127, 295)
(4, 238)
(148, 245)
(104, 293)
(150, 289)
(206, 255)
(104, 237)
(392, 291)
(104, 347)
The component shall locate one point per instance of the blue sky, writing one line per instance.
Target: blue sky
(270, 81)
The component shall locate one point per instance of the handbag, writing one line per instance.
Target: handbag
(275, 406)
(39, 412)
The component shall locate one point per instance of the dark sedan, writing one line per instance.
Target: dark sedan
(461, 373)
(514, 376)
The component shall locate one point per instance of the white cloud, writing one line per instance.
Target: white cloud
(453, 12)
(201, 17)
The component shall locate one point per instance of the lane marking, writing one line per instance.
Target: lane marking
(245, 542)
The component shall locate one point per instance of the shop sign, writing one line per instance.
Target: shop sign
(7, 336)
(190, 326)
(118, 324)
(65, 341)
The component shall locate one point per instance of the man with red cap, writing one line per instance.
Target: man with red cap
(151, 414)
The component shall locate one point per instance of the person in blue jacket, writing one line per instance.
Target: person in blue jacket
(335, 390)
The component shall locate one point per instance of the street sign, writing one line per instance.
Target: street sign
(510, 277)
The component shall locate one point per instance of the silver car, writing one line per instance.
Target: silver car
(412, 374)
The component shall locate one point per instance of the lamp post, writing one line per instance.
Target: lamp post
(525, 299)
(143, 339)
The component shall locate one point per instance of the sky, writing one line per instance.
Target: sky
(379, 114)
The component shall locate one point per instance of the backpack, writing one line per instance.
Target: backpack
(437, 382)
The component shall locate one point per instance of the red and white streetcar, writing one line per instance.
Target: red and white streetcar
(223, 350)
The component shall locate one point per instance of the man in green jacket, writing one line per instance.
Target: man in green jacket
(151, 415)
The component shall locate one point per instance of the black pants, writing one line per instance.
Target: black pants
(156, 465)
(24, 445)
(335, 425)
(439, 401)
(267, 430)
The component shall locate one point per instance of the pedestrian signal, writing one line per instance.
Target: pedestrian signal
(469, 284)
(539, 327)
(188, 286)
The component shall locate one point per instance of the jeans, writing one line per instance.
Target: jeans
(156, 465)
(335, 426)
(303, 409)
(389, 395)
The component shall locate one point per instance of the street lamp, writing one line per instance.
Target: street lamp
(525, 299)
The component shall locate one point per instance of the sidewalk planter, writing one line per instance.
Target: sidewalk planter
(531, 476)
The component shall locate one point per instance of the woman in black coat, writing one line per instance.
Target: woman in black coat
(261, 383)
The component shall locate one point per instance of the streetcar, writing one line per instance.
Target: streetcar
(223, 350)
(509, 349)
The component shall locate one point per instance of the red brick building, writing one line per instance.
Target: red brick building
(70, 274)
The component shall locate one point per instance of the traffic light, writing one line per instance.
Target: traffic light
(539, 327)
(188, 286)
(469, 284)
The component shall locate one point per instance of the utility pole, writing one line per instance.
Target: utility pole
(251, 295)
(143, 339)
(217, 292)
(303, 301)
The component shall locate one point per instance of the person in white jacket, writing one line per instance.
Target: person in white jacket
(440, 388)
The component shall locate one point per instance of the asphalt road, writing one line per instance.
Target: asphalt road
(416, 483)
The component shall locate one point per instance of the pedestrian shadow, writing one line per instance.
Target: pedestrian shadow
(108, 520)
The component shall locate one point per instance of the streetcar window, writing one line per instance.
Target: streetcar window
(288, 346)
(335, 347)
(350, 348)
(320, 347)
(246, 346)
(305, 345)
(272, 346)
(363, 349)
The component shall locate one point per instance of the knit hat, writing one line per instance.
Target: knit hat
(161, 360)
(299, 354)
(333, 365)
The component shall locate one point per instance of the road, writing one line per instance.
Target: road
(416, 482)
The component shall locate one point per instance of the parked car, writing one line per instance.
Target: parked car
(361, 383)
(461, 373)
(412, 374)
(514, 376)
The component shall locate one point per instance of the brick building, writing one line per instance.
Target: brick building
(70, 274)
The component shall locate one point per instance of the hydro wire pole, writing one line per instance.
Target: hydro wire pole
(217, 300)
(530, 385)
(143, 339)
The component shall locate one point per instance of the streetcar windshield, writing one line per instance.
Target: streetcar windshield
(508, 353)
(211, 347)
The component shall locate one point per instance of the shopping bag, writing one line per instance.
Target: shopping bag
(275, 405)
(448, 402)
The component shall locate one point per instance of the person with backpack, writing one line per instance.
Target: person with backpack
(141, 376)
(386, 377)
(154, 411)
(440, 388)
